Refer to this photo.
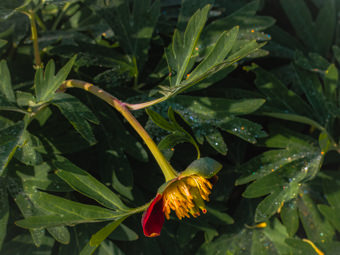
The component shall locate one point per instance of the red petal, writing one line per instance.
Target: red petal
(153, 217)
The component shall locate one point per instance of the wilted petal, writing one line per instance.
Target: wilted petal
(153, 217)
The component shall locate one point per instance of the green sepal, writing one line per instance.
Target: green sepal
(165, 185)
(205, 167)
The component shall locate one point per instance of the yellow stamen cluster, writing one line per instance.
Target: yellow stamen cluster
(185, 196)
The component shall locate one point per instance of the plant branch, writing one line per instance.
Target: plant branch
(168, 171)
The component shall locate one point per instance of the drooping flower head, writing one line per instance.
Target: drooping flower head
(184, 195)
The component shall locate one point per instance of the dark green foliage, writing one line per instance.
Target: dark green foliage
(245, 89)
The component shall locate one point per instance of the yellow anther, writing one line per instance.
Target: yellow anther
(186, 196)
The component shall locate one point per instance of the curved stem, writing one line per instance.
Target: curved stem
(168, 171)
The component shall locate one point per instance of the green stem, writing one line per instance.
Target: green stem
(168, 171)
(31, 16)
(140, 106)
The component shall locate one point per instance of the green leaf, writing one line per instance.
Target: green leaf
(219, 108)
(122, 175)
(170, 141)
(5, 82)
(66, 208)
(4, 210)
(27, 153)
(290, 218)
(133, 29)
(325, 26)
(100, 236)
(301, 20)
(331, 82)
(316, 228)
(331, 188)
(331, 214)
(22, 244)
(26, 207)
(213, 78)
(206, 167)
(271, 204)
(24, 98)
(77, 114)
(277, 233)
(312, 88)
(301, 247)
(299, 151)
(188, 7)
(280, 173)
(50, 221)
(61, 234)
(250, 24)
(86, 184)
(264, 186)
(46, 84)
(281, 96)
(217, 54)
(5, 105)
(245, 49)
(243, 128)
(181, 49)
(293, 117)
(160, 121)
(215, 139)
(10, 139)
(178, 133)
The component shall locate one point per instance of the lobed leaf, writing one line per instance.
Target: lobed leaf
(46, 83)
(180, 51)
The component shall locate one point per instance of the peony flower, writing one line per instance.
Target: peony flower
(185, 195)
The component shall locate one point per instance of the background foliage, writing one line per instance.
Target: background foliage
(258, 85)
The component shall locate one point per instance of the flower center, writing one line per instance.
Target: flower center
(186, 196)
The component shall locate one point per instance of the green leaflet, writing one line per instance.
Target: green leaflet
(178, 54)
(77, 114)
(47, 82)
(86, 184)
(100, 236)
(133, 27)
